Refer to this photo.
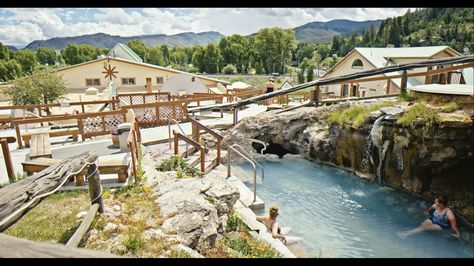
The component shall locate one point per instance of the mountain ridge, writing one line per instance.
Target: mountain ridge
(312, 32)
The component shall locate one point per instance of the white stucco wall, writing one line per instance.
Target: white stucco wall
(76, 76)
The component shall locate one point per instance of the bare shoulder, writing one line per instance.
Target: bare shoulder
(450, 213)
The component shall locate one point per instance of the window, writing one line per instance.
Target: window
(92, 82)
(128, 81)
(345, 90)
(160, 80)
(357, 64)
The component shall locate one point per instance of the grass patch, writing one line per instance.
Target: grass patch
(54, 219)
(139, 212)
(420, 118)
(238, 243)
(354, 116)
(450, 107)
(180, 165)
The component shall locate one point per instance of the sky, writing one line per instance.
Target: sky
(20, 26)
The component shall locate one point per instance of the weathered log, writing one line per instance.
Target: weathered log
(84, 227)
(17, 198)
(12, 247)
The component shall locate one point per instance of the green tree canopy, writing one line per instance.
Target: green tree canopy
(9, 70)
(155, 56)
(139, 48)
(46, 56)
(41, 87)
(27, 60)
(274, 46)
(4, 52)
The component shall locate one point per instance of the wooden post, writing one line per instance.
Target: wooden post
(83, 228)
(175, 134)
(218, 152)
(403, 84)
(316, 96)
(236, 111)
(8, 159)
(203, 160)
(388, 86)
(95, 189)
(113, 103)
(18, 136)
(428, 77)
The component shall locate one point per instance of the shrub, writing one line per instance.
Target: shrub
(176, 163)
(229, 69)
(234, 223)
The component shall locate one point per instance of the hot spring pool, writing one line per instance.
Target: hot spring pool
(340, 215)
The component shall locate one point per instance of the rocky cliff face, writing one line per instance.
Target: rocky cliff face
(424, 163)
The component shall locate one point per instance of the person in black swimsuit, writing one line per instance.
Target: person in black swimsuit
(271, 224)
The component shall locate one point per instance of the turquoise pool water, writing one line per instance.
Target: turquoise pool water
(340, 215)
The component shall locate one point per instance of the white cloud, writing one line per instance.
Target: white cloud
(26, 25)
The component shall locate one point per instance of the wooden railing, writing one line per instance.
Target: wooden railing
(39, 110)
(157, 114)
(196, 133)
(202, 159)
(142, 98)
(296, 96)
(134, 144)
(102, 123)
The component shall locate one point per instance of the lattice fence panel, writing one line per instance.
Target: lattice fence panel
(92, 124)
(151, 98)
(112, 122)
(145, 115)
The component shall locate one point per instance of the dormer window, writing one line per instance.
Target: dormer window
(357, 64)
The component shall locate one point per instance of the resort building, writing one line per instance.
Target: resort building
(127, 71)
(364, 59)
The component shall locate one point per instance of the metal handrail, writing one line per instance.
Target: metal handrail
(182, 131)
(251, 158)
(260, 142)
(229, 149)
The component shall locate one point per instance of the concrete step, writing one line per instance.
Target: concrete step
(246, 195)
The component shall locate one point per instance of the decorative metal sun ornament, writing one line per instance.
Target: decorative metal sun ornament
(109, 71)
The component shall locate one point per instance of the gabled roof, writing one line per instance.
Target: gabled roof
(143, 65)
(380, 57)
(123, 51)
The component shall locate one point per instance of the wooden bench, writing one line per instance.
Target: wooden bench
(40, 146)
(74, 132)
(105, 167)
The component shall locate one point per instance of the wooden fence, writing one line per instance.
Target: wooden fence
(40, 110)
(156, 114)
(102, 123)
(142, 98)
(134, 144)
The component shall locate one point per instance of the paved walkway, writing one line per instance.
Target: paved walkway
(62, 148)
(155, 134)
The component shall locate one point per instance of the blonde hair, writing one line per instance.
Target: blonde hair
(273, 211)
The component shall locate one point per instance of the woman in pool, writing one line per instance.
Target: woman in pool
(443, 218)
(277, 231)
